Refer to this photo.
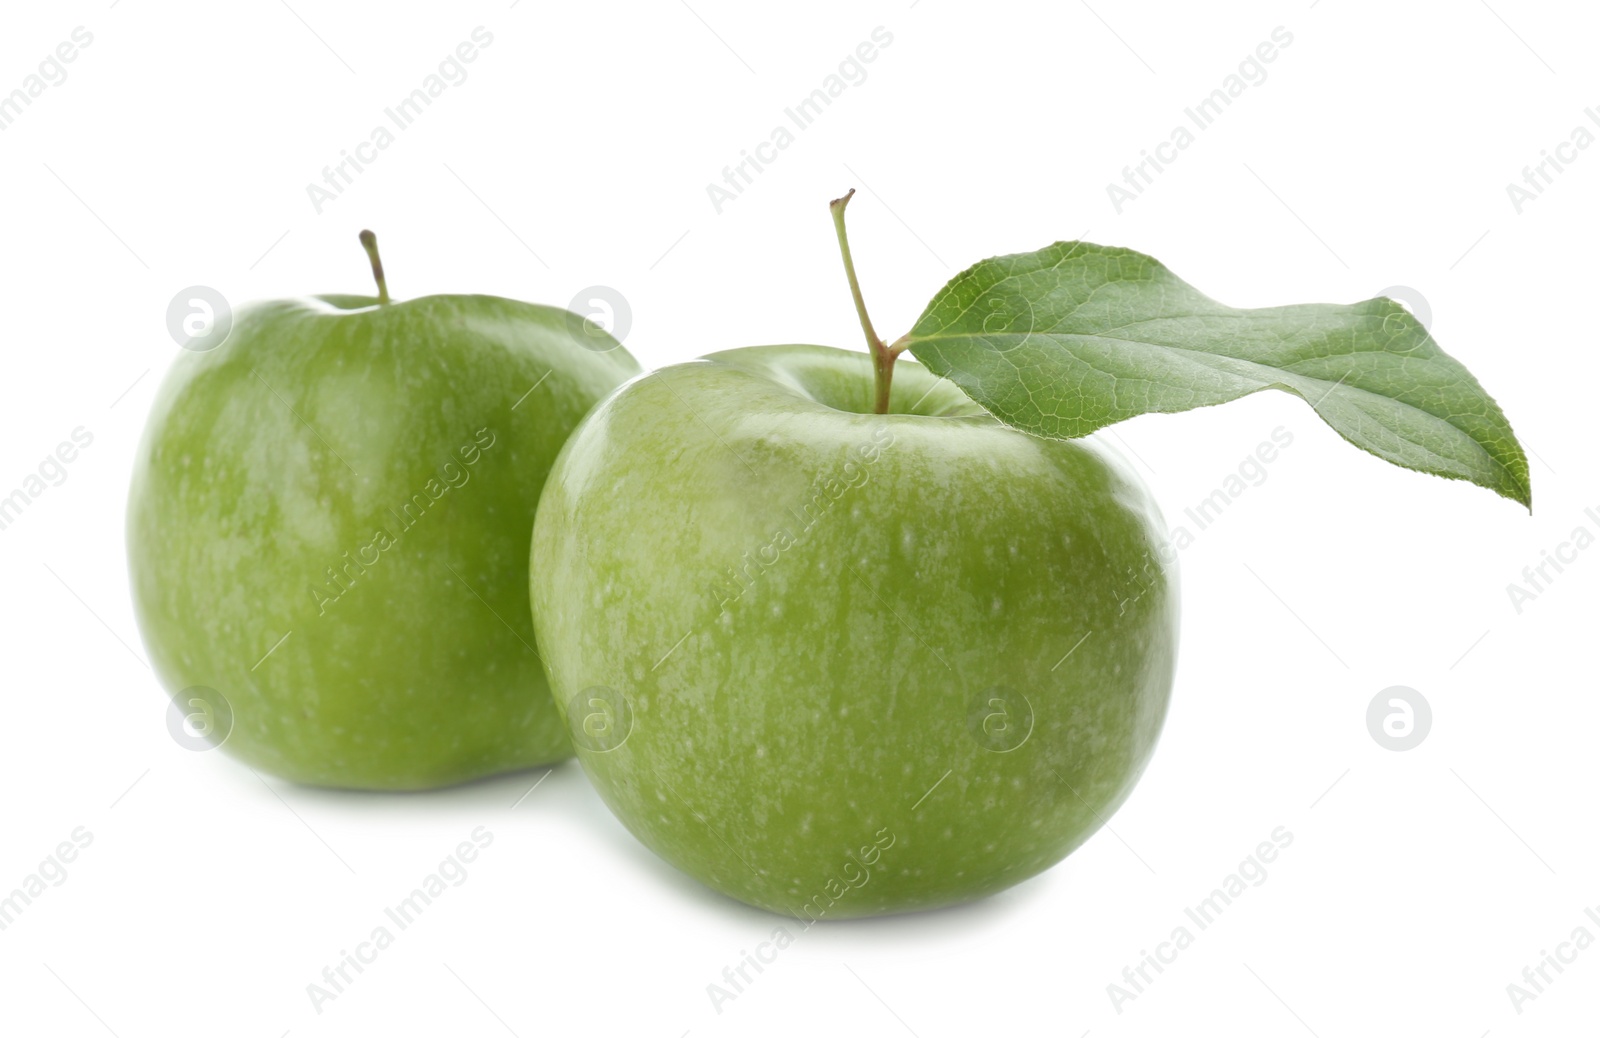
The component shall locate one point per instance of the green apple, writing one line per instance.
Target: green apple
(328, 527)
(837, 663)
(840, 642)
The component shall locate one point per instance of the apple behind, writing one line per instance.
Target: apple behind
(328, 526)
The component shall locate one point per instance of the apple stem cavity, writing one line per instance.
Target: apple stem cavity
(369, 241)
(883, 355)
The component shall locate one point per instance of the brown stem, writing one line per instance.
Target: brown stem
(882, 356)
(369, 241)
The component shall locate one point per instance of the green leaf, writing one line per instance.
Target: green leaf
(1076, 336)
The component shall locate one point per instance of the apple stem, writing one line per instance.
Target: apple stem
(369, 241)
(883, 354)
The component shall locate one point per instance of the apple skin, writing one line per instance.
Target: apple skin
(279, 457)
(820, 634)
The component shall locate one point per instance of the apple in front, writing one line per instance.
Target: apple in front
(835, 663)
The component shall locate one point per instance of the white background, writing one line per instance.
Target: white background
(1376, 153)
